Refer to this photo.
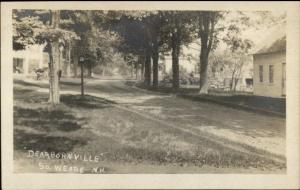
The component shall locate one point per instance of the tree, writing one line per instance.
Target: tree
(24, 30)
(132, 62)
(54, 37)
(96, 41)
(68, 22)
(32, 26)
(136, 37)
(177, 30)
(234, 34)
(53, 50)
(207, 21)
(154, 23)
(238, 49)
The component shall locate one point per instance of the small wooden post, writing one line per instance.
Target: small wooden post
(81, 60)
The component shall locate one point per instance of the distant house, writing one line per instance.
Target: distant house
(269, 66)
(33, 57)
(27, 60)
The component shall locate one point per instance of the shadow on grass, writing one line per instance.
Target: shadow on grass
(46, 119)
(29, 96)
(70, 83)
(39, 142)
(112, 87)
(272, 104)
(88, 102)
(29, 84)
(237, 99)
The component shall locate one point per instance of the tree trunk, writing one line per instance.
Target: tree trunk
(238, 74)
(103, 71)
(89, 71)
(75, 63)
(206, 34)
(137, 71)
(232, 80)
(82, 82)
(147, 77)
(54, 73)
(132, 70)
(142, 69)
(54, 57)
(235, 83)
(61, 64)
(155, 66)
(204, 83)
(68, 63)
(137, 68)
(175, 60)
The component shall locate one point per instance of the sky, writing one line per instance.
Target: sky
(264, 28)
(257, 33)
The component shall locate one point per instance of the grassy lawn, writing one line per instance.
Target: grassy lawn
(126, 142)
(277, 105)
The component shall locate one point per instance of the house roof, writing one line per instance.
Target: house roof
(278, 45)
(275, 41)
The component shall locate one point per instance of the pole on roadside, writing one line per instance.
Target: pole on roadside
(81, 60)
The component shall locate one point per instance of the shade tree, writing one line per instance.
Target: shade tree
(42, 27)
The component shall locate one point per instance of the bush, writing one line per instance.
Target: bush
(184, 77)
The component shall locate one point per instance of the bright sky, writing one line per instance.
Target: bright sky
(260, 36)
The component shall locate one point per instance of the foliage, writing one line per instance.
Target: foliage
(99, 34)
(31, 27)
(25, 31)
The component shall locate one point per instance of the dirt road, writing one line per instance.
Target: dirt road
(150, 127)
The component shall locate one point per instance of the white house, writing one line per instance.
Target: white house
(270, 65)
(27, 60)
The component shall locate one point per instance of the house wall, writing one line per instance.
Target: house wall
(266, 88)
(32, 57)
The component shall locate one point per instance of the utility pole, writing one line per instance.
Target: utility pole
(81, 61)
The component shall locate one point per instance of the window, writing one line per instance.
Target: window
(261, 73)
(271, 73)
(249, 82)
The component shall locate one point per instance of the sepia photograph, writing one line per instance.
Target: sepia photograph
(112, 91)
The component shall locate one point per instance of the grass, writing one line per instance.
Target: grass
(95, 126)
(277, 105)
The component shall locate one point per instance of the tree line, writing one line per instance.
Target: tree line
(140, 36)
